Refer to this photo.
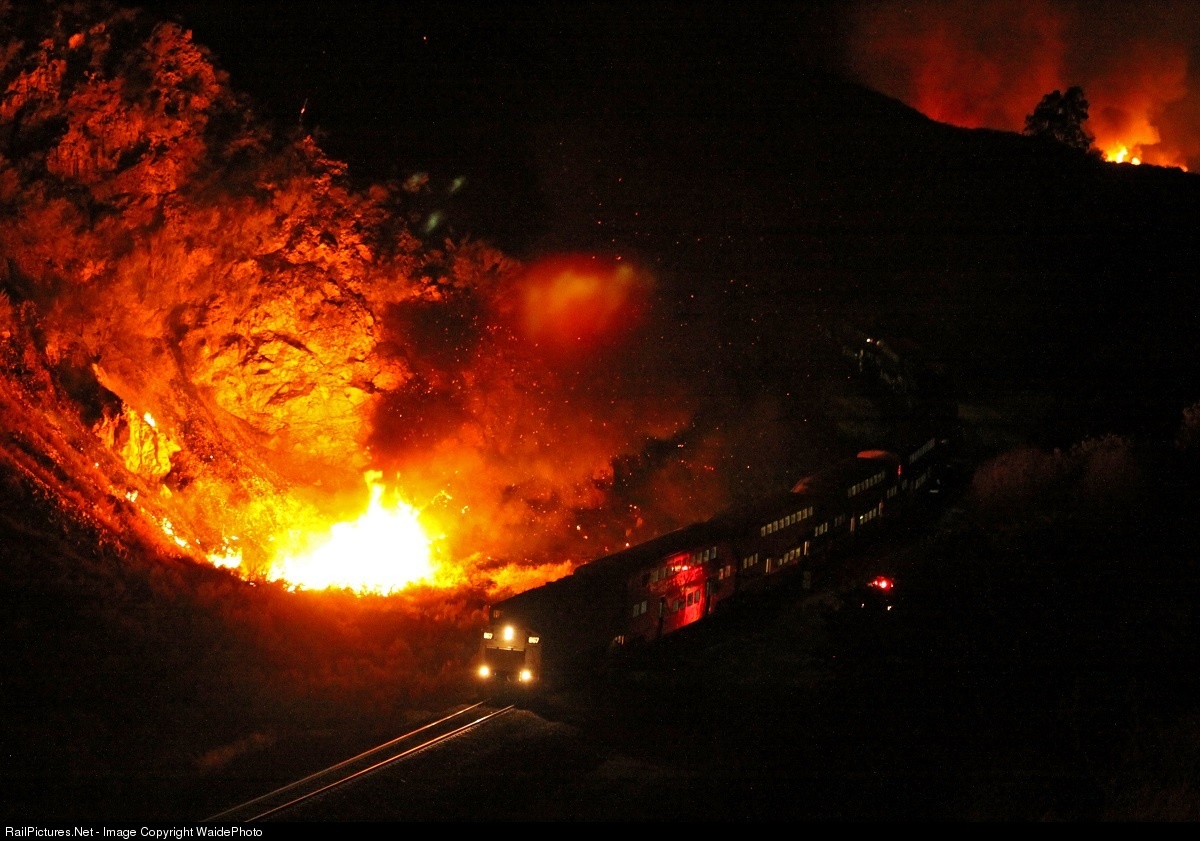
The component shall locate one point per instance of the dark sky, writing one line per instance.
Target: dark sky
(461, 89)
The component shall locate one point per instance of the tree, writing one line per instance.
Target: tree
(1060, 117)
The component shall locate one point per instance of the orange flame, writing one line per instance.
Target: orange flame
(381, 552)
(987, 63)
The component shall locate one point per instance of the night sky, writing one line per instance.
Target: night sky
(728, 149)
(469, 88)
(482, 91)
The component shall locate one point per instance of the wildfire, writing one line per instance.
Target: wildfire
(1120, 155)
(512, 388)
(1124, 155)
(229, 557)
(381, 552)
(986, 64)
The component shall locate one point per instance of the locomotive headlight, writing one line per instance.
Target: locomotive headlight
(485, 672)
(526, 675)
(508, 633)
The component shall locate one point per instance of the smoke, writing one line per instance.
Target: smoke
(242, 334)
(987, 63)
(530, 387)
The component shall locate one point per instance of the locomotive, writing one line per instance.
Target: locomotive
(654, 589)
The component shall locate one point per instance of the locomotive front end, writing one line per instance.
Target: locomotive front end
(510, 653)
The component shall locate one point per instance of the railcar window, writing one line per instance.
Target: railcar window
(923, 450)
(784, 522)
(868, 516)
(859, 487)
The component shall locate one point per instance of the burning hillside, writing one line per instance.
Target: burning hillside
(252, 354)
(988, 63)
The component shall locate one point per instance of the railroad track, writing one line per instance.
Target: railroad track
(356, 767)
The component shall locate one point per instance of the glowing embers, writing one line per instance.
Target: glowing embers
(382, 551)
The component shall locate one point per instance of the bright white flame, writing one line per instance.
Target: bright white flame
(149, 418)
(228, 558)
(381, 552)
(169, 530)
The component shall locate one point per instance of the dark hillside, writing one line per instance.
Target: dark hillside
(1012, 259)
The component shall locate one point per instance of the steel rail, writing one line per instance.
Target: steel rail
(365, 754)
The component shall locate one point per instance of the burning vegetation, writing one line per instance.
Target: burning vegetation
(276, 371)
(985, 64)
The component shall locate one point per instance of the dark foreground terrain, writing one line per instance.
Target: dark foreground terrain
(1033, 668)
(1022, 676)
(1014, 679)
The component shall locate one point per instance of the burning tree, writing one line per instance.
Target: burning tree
(1060, 117)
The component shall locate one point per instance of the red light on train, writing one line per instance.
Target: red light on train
(881, 583)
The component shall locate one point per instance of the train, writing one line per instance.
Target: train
(655, 589)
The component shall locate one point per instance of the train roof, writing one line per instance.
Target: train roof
(611, 571)
(755, 513)
(645, 554)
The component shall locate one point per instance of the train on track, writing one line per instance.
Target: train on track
(657, 588)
